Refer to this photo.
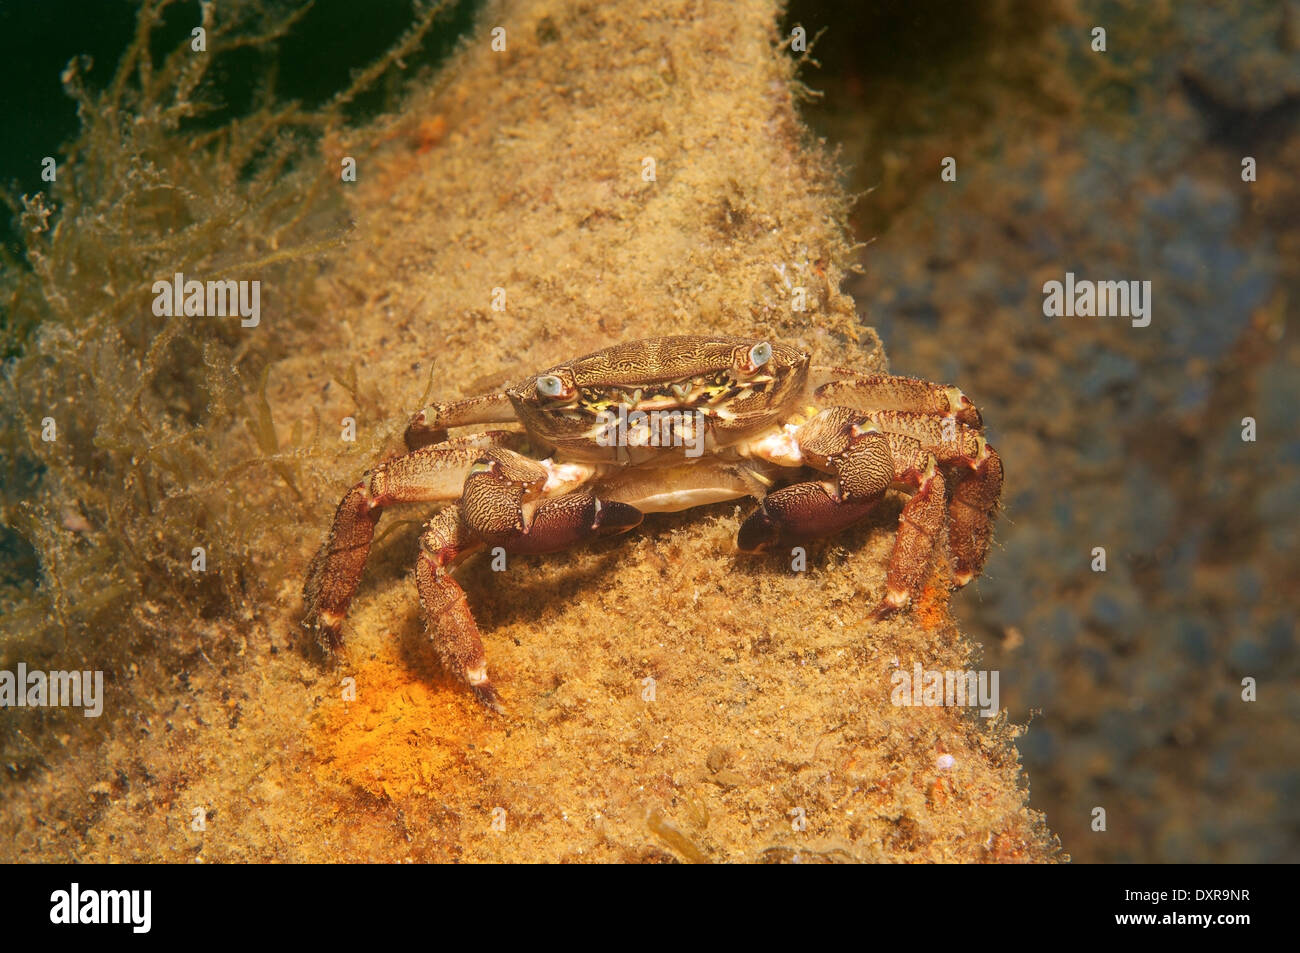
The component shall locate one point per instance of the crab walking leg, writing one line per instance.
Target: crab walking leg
(884, 392)
(446, 540)
(970, 527)
(919, 525)
(502, 506)
(429, 426)
(430, 474)
(975, 471)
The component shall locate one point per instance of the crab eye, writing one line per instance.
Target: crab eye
(760, 354)
(550, 386)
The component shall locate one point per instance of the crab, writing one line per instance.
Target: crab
(661, 425)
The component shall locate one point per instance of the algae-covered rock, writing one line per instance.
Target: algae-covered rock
(600, 172)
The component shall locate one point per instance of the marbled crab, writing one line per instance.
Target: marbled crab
(661, 425)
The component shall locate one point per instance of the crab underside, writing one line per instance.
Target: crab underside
(661, 425)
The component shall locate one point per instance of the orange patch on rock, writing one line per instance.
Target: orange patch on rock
(931, 610)
(404, 735)
(430, 132)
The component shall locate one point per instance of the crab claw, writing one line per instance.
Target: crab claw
(758, 533)
(799, 511)
(614, 518)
